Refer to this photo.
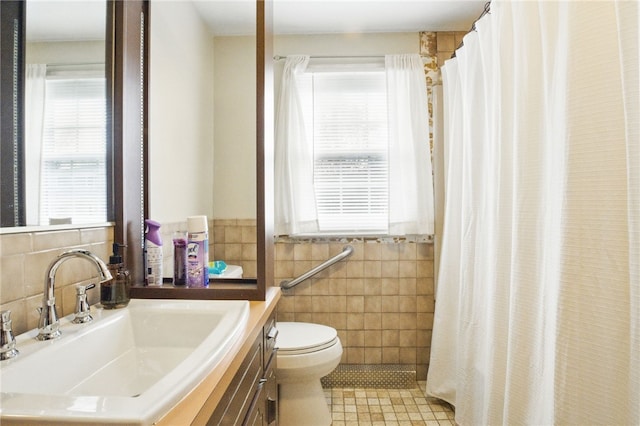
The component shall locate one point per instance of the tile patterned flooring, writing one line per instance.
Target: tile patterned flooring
(387, 407)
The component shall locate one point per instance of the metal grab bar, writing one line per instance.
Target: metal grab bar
(346, 252)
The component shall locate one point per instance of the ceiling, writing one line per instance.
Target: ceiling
(66, 19)
(235, 17)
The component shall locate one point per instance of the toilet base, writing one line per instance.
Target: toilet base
(303, 403)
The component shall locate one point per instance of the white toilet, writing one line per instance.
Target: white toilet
(306, 352)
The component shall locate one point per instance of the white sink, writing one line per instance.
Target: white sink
(128, 365)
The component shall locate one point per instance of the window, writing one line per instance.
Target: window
(74, 151)
(345, 114)
(352, 149)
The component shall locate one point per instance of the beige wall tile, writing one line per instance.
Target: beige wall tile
(355, 304)
(373, 338)
(373, 304)
(372, 251)
(249, 252)
(372, 286)
(350, 287)
(12, 278)
(320, 251)
(302, 252)
(389, 269)
(320, 286)
(11, 244)
(355, 321)
(342, 287)
(373, 355)
(390, 338)
(390, 286)
(355, 337)
(55, 239)
(390, 355)
(407, 286)
(355, 269)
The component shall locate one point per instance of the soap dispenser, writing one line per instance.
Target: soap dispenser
(115, 293)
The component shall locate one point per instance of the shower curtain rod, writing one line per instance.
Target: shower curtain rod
(487, 9)
(281, 57)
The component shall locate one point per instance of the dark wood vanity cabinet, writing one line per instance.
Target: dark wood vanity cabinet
(252, 396)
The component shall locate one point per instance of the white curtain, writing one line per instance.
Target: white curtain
(295, 205)
(410, 177)
(35, 85)
(537, 315)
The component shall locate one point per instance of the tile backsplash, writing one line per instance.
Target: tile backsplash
(24, 259)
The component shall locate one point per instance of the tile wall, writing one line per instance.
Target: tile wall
(24, 259)
(446, 43)
(232, 240)
(380, 299)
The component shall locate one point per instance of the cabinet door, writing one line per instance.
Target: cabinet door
(233, 408)
(271, 394)
(255, 415)
(270, 399)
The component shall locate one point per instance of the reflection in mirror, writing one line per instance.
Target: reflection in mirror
(202, 132)
(65, 113)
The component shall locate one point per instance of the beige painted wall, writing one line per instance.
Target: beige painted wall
(234, 184)
(181, 124)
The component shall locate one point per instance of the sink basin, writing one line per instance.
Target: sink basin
(127, 366)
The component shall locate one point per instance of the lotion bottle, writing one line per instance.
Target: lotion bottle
(153, 253)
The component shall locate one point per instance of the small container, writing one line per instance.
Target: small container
(115, 292)
(197, 252)
(180, 258)
(153, 253)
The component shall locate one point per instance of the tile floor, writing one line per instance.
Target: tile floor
(364, 406)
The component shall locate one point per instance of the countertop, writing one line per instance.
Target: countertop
(196, 407)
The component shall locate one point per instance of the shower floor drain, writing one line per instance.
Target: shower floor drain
(384, 376)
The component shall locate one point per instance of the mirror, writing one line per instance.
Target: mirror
(63, 171)
(181, 91)
(191, 170)
(202, 149)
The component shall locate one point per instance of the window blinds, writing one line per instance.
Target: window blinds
(346, 112)
(74, 151)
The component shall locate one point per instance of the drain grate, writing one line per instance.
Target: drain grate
(383, 376)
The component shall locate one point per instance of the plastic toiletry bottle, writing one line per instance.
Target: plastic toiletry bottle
(115, 293)
(180, 239)
(153, 253)
(197, 252)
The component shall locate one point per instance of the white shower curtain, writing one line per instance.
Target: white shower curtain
(537, 315)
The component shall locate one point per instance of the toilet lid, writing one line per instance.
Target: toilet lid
(303, 337)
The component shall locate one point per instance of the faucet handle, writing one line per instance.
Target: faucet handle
(82, 314)
(7, 340)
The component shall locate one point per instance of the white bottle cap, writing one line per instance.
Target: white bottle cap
(197, 224)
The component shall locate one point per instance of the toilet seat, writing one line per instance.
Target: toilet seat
(297, 338)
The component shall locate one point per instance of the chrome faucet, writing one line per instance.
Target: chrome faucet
(48, 326)
(7, 340)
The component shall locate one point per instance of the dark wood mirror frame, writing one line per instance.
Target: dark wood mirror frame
(12, 36)
(12, 109)
(130, 132)
(128, 124)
